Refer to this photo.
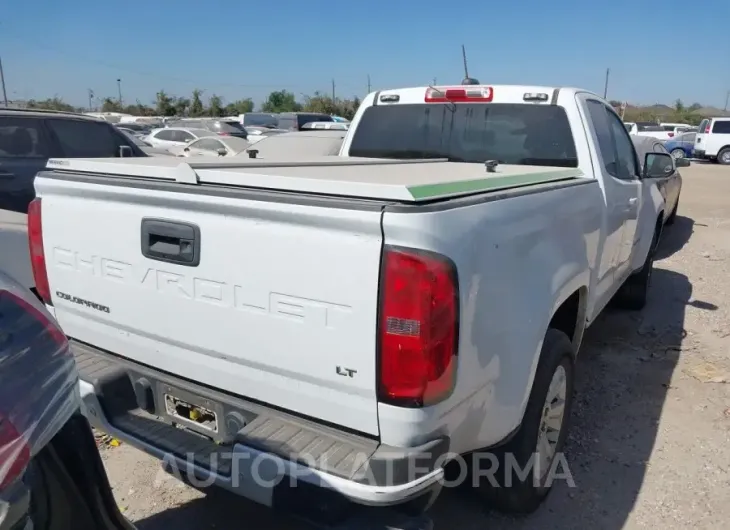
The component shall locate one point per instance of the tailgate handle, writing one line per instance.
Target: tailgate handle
(171, 241)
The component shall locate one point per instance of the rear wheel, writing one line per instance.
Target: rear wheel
(634, 292)
(723, 157)
(677, 153)
(540, 438)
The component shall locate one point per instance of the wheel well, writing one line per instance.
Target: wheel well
(567, 316)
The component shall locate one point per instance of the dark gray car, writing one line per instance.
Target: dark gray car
(51, 475)
(28, 138)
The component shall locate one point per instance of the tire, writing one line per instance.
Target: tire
(55, 502)
(678, 153)
(723, 157)
(672, 216)
(504, 490)
(634, 293)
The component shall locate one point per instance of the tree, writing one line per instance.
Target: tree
(281, 101)
(196, 106)
(163, 104)
(679, 106)
(320, 103)
(215, 106)
(181, 106)
(242, 106)
(111, 105)
(54, 103)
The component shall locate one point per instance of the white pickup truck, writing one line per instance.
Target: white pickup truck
(356, 320)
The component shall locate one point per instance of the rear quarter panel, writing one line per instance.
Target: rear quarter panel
(517, 260)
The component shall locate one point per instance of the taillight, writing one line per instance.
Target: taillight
(31, 337)
(37, 255)
(224, 134)
(671, 134)
(14, 453)
(470, 94)
(418, 328)
(707, 128)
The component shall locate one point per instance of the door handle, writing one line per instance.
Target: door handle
(633, 201)
(171, 241)
(6, 175)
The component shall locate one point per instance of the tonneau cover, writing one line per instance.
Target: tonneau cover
(398, 180)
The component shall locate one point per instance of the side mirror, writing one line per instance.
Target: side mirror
(222, 152)
(658, 166)
(187, 149)
(682, 162)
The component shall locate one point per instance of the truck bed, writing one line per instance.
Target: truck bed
(398, 180)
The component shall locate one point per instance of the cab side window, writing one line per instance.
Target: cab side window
(614, 143)
(626, 154)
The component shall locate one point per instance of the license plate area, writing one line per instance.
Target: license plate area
(192, 412)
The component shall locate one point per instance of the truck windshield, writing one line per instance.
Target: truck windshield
(510, 133)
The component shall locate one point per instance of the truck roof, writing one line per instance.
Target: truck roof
(499, 93)
(398, 180)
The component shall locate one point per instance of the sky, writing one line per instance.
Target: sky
(656, 51)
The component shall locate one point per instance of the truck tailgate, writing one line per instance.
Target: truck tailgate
(281, 308)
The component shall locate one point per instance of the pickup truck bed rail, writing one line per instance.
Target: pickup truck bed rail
(400, 180)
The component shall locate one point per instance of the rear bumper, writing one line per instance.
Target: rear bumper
(260, 453)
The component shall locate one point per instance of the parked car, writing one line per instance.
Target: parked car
(339, 126)
(137, 129)
(386, 309)
(647, 129)
(259, 119)
(669, 186)
(219, 126)
(145, 147)
(682, 145)
(51, 475)
(713, 140)
(256, 133)
(212, 146)
(28, 138)
(293, 145)
(674, 129)
(294, 121)
(170, 137)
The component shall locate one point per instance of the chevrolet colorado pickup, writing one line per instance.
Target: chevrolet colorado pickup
(355, 321)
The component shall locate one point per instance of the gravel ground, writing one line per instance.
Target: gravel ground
(649, 444)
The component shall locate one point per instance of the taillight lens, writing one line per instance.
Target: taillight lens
(37, 255)
(14, 453)
(29, 337)
(671, 134)
(707, 129)
(418, 328)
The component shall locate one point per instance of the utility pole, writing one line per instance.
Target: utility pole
(333, 91)
(2, 79)
(434, 82)
(119, 87)
(605, 86)
(727, 97)
(91, 97)
(368, 83)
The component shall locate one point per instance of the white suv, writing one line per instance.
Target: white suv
(713, 140)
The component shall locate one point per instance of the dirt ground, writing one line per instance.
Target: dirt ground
(650, 438)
